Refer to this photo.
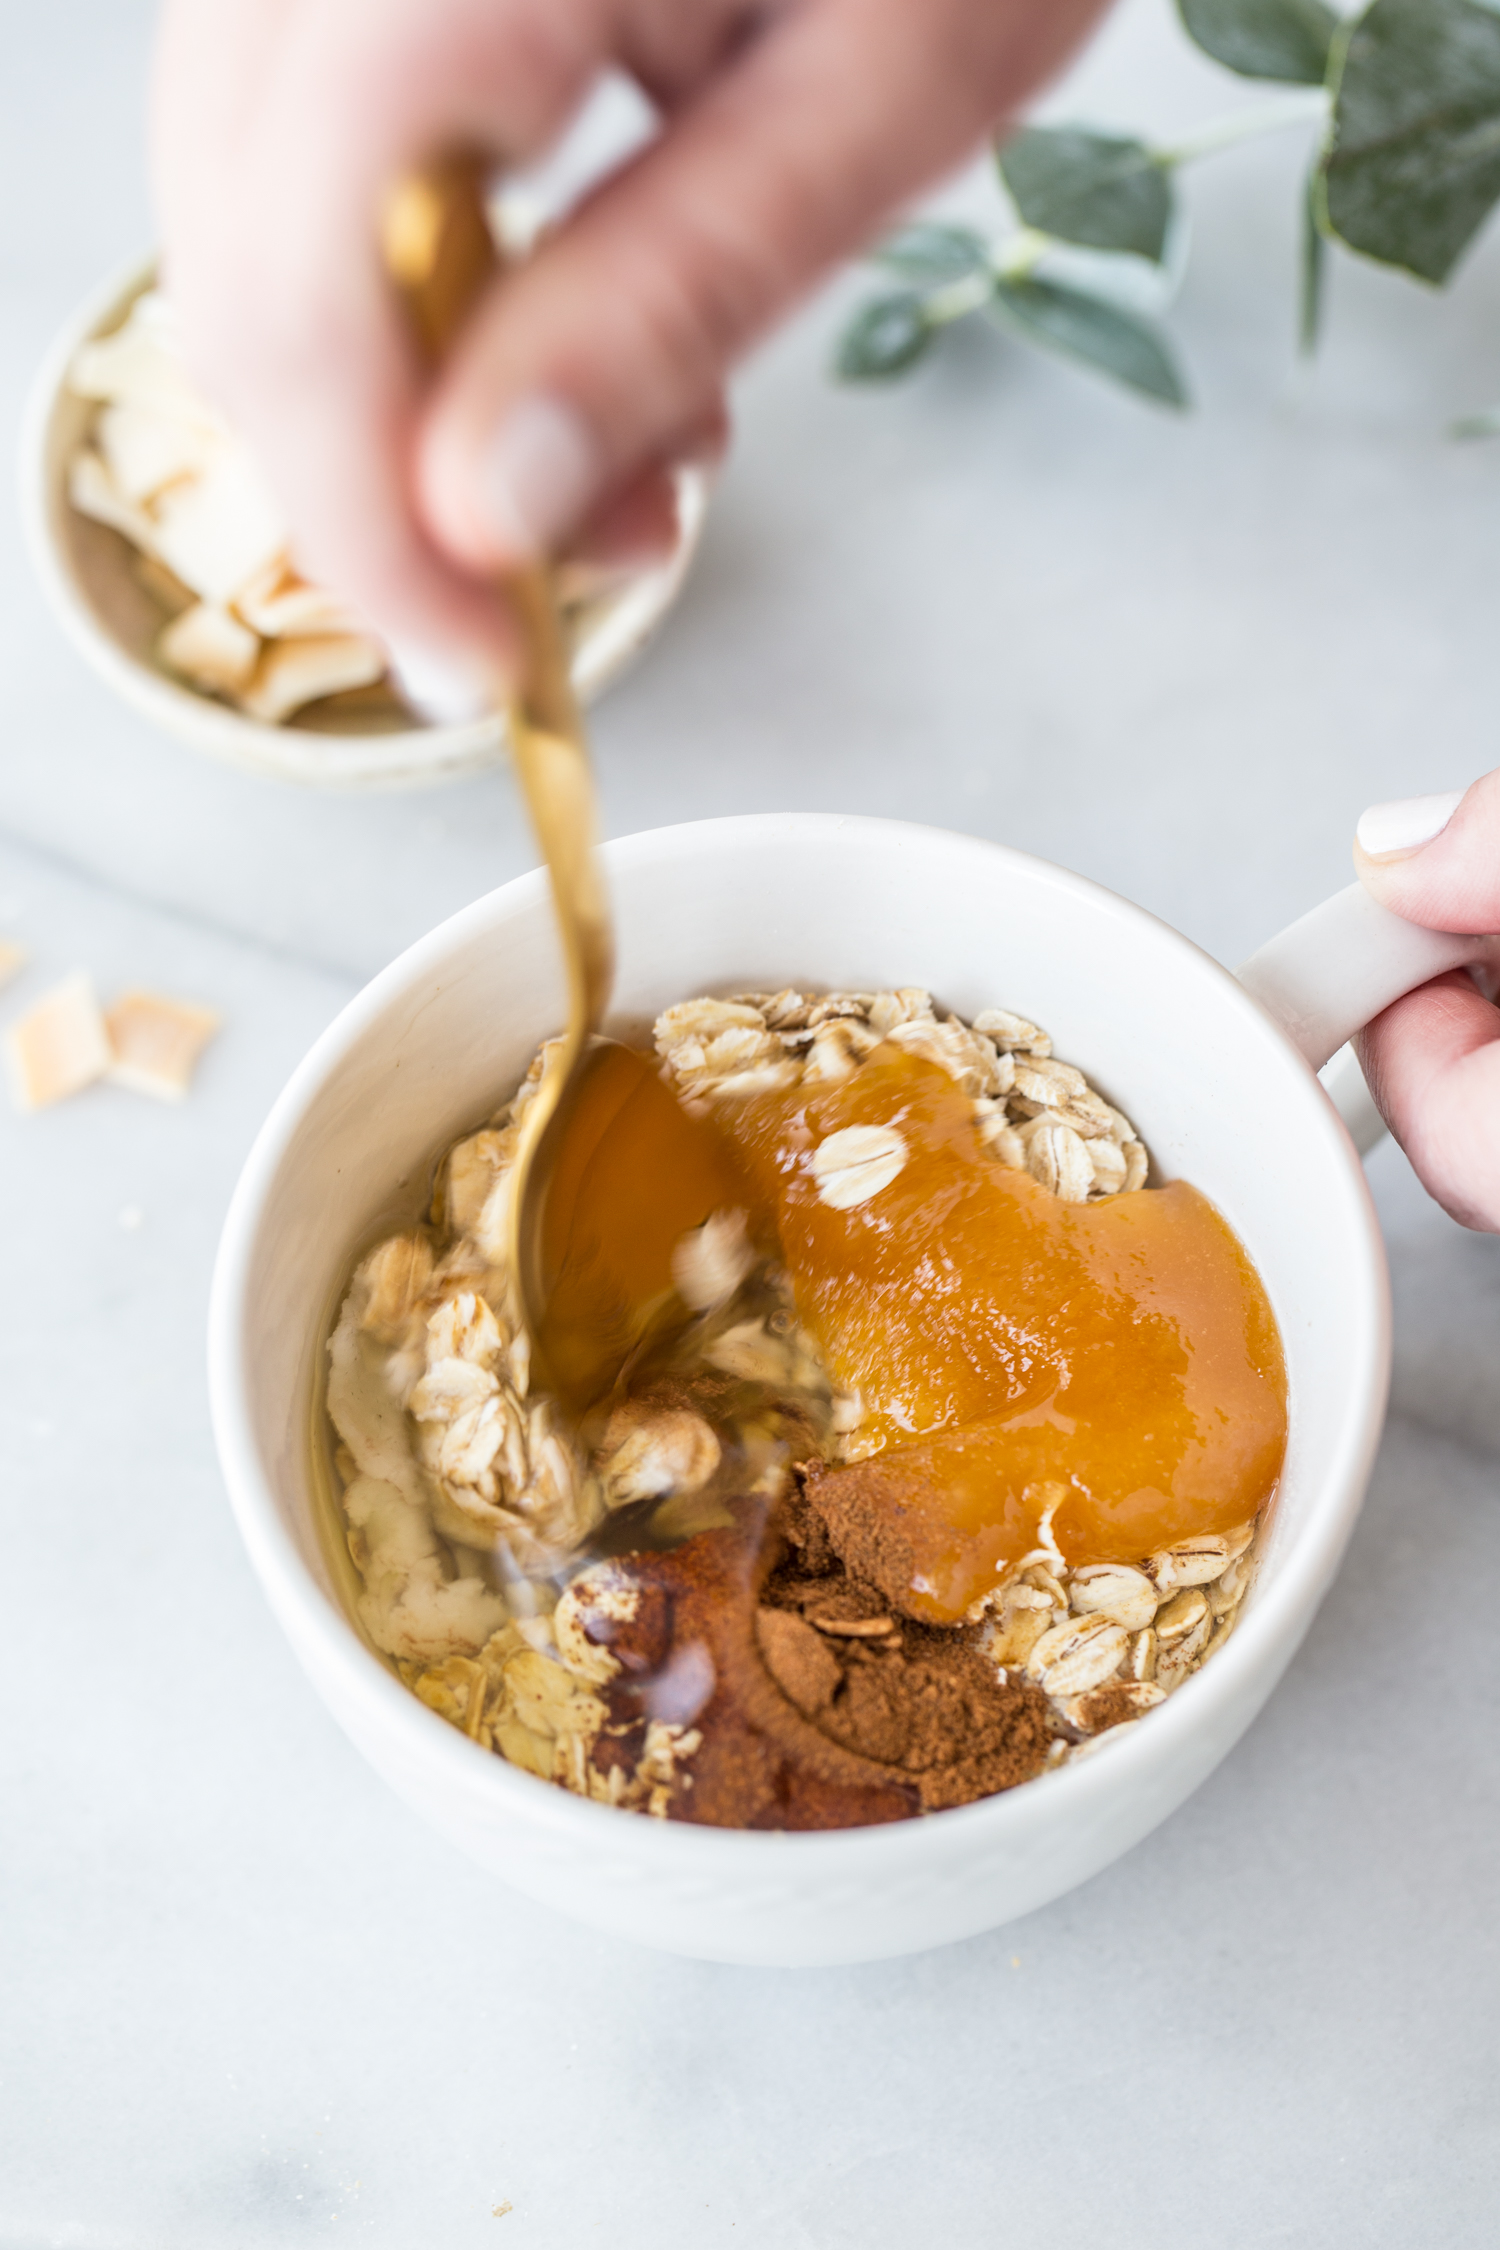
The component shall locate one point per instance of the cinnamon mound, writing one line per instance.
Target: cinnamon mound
(864, 1511)
(818, 1705)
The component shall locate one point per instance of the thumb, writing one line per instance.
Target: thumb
(614, 341)
(1436, 860)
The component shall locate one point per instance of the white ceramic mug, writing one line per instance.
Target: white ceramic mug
(1216, 1078)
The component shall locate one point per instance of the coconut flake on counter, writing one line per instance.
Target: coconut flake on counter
(155, 1043)
(60, 1046)
(146, 1042)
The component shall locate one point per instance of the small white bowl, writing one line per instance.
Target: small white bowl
(1216, 1080)
(88, 577)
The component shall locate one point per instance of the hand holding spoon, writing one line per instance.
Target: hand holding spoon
(590, 1256)
(441, 254)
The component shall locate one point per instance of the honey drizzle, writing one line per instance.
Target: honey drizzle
(1003, 1343)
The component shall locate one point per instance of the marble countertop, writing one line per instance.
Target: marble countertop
(247, 2000)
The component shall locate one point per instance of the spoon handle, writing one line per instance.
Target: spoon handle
(441, 254)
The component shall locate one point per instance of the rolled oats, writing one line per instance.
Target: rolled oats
(648, 1453)
(1077, 1655)
(1014, 1033)
(1175, 1661)
(1025, 1615)
(1181, 1615)
(1050, 1085)
(837, 1049)
(967, 1056)
(710, 1264)
(1111, 1706)
(1060, 1162)
(1141, 1660)
(854, 1166)
(1223, 1628)
(1108, 1164)
(1116, 1591)
(449, 1389)
(908, 1004)
(443, 1441)
(784, 1011)
(1227, 1592)
(1194, 1562)
(1098, 1742)
(604, 1595)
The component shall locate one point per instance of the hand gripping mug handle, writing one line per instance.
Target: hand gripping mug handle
(1324, 978)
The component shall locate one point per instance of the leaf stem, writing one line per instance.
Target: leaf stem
(1009, 260)
(1022, 252)
(1301, 108)
(957, 298)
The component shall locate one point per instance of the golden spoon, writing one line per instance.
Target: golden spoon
(441, 254)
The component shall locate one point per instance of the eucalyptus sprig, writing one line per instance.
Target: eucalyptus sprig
(1406, 170)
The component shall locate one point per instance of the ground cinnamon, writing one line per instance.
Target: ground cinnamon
(818, 1705)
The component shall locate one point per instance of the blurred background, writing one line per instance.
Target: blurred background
(1179, 654)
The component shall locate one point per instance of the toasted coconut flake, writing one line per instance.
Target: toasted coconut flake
(295, 672)
(138, 361)
(155, 1042)
(60, 1047)
(211, 648)
(163, 585)
(147, 448)
(280, 605)
(220, 529)
(94, 493)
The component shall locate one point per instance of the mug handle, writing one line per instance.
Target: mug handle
(1324, 977)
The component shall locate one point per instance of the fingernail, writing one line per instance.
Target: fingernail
(1406, 824)
(439, 688)
(539, 476)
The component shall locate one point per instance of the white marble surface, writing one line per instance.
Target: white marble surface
(246, 2001)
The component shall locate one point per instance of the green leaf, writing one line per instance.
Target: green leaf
(1413, 168)
(1282, 39)
(1314, 271)
(1097, 189)
(1099, 335)
(932, 255)
(1484, 425)
(884, 339)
